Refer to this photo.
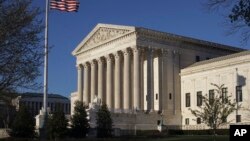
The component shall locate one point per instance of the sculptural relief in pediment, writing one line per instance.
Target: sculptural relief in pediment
(103, 35)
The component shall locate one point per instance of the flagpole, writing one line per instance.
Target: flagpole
(45, 90)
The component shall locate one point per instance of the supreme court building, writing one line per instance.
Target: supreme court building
(136, 72)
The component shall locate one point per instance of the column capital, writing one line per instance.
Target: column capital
(137, 50)
(93, 62)
(86, 65)
(100, 60)
(79, 66)
(126, 52)
(109, 58)
(117, 55)
(164, 52)
(150, 48)
(176, 52)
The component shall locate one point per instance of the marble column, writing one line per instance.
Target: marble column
(157, 69)
(80, 82)
(126, 84)
(93, 80)
(109, 82)
(146, 97)
(117, 82)
(136, 79)
(142, 80)
(163, 75)
(100, 79)
(150, 80)
(86, 84)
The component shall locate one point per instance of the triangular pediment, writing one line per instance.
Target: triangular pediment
(101, 34)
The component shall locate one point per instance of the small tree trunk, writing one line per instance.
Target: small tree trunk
(214, 133)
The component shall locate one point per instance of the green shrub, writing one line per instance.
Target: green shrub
(24, 124)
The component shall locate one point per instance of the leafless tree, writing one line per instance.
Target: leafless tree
(237, 16)
(20, 44)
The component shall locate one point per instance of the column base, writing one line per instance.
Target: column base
(111, 110)
(127, 111)
(118, 110)
(151, 110)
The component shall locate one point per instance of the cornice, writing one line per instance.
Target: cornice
(214, 65)
(168, 37)
(143, 35)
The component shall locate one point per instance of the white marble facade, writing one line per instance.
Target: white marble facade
(232, 71)
(135, 69)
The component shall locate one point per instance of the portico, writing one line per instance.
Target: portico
(119, 73)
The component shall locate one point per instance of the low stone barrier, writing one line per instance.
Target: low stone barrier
(3, 133)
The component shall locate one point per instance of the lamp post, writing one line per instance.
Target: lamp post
(238, 93)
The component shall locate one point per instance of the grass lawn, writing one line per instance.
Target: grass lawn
(172, 138)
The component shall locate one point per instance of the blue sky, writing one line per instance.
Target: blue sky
(67, 30)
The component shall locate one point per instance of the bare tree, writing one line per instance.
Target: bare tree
(237, 15)
(20, 44)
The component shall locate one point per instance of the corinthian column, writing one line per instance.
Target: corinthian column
(117, 82)
(126, 84)
(136, 79)
(79, 82)
(93, 80)
(109, 82)
(100, 80)
(150, 80)
(86, 84)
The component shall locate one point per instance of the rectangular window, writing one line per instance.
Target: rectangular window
(158, 122)
(32, 105)
(198, 120)
(238, 118)
(52, 107)
(170, 96)
(239, 94)
(187, 121)
(197, 58)
(69, 108)
(199, 98)
(156, 96)
(66, 108)
(211, 96)
(224, 95)
(63, 107)
(187, 99)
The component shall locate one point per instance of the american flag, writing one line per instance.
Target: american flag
(65, 5)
